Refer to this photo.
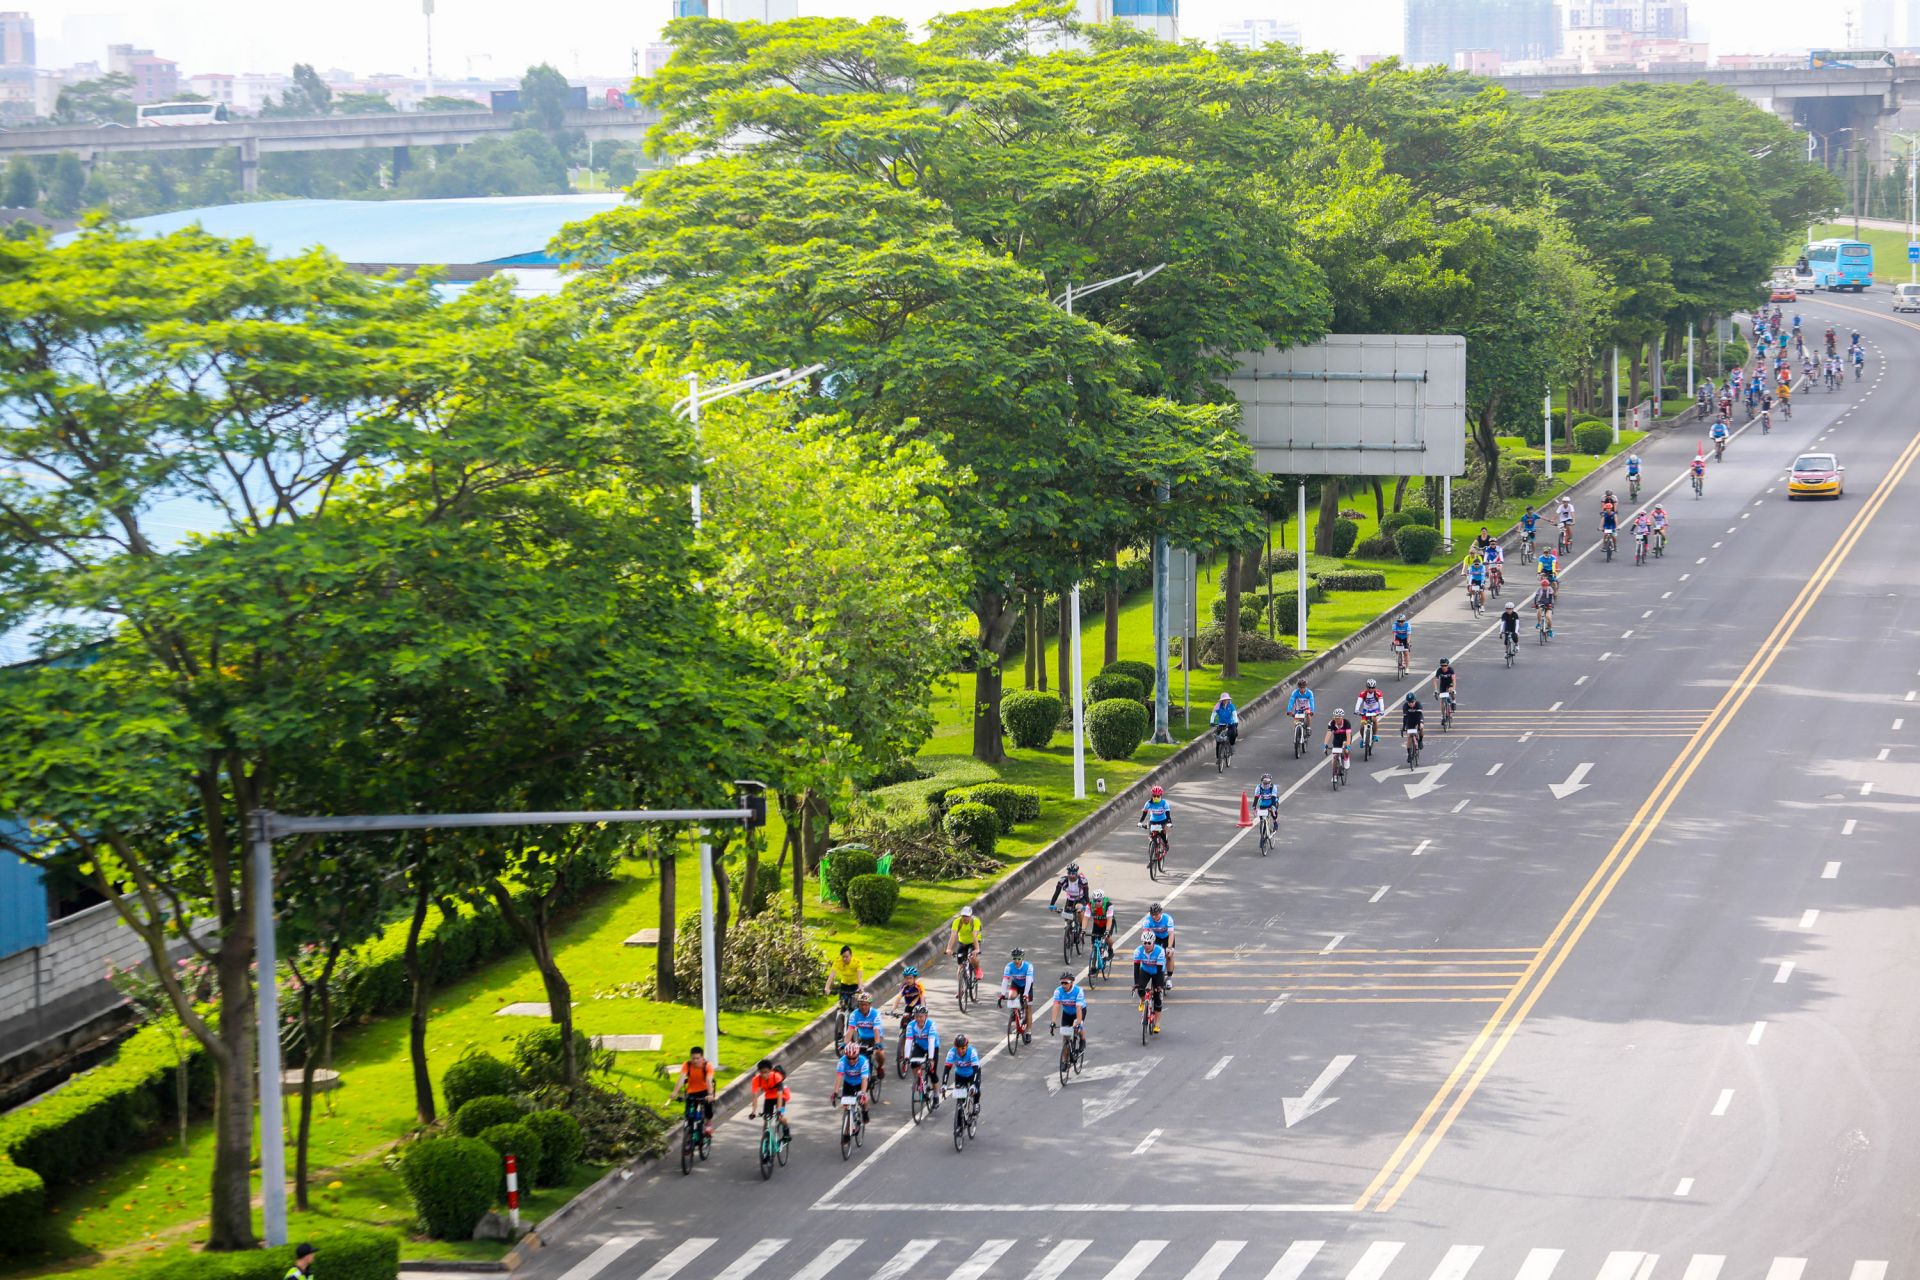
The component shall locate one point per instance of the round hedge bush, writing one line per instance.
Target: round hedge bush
(478, 1114)
(1593, 437)
(1010, 803)
(975, 825)
(1378, 547)
(873, 898)
(1417, 543)
(846, 862)
(1141, 671)
(1249, 611)
(1345, 534)
(1286, 620)
(451, 1182)
(1116, 728)
(1030, 716)
(519, 1141)
(1419, 514)
(1354, 580)
(561, 1142)
(1108, 686)
(478, 1075)
(1395, 520)
(1521, 482)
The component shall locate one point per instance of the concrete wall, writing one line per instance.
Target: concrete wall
(74, 957)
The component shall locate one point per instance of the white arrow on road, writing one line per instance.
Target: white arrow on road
(1561, 790)
(1419, 781)
(1130, 1074)
(1294, 1110)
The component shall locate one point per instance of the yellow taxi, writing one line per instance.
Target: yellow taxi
(1815, 475)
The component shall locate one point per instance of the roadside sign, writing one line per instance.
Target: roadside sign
(1913, 252)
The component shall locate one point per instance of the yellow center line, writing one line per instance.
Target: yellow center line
(1499, 1030)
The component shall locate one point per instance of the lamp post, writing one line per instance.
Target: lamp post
(698, 397)
(1073, 608)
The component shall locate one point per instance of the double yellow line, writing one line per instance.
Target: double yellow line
(1414, 1150)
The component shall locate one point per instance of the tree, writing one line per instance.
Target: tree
(544, 94)
(446, 102)
(106, 100)
(524, 164)
(308, 95)
(67, 185)
(364, 104)
(23, 184)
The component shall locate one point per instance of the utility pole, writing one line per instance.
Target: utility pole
(426, 8)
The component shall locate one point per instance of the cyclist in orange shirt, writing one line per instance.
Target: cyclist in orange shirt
(696, 1082)
(769, 1085)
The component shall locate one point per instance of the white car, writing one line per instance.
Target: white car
(1906, 297)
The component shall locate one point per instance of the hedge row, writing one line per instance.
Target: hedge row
(363, 1255)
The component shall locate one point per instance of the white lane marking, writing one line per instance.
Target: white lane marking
(1539, 1264)
(1666, 595)
(1705, 1266)
(1215, 1260)
(1786, 1268)
(1724, 1101)
(1555, 707)
(749, 1262)
(1897, 724)
(1865, 1270)
(903, 1263)
(1335, 939)
(827, 1259)
(1374, 1262)
(1463, 804)
(1685, 576)
(1058, 1259)
(1379, 893)
(1582, 680)
(1846, 828)
(1685, 1188)
(983, 1258)
(1294, 1261)
(1784, 972)
(686, 1251)
(1703, 559)
(1734, 528)
(1217, 1067)
(1883, 753)
(1526, 735)
(1647, 614)
(1769, 491)
(1714, 547)
(1142, 1150)
(1628, 635)
(1140, 1257)
(1278, 1001)
(1457, 1262)
(1495, 769)
(1623, 1266)
(1759, 1029)
(596, 1262)
(1910, 693)
(1830, 872)
(1745, 515)
(1759, 504)
(1421, 847)
(1807, 918)
(1866, 788)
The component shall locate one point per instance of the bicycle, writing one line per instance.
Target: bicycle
(1566, 537)
(1156, 850)
(1339, 767)
(841, 1015)
(1608, 540)
(1527, 545)
(1099, 957)
(1073, 1051)
(1639, 548)
(1633, 488)
(966, 985)
(1269, 822)
(1659, 543)
(1222, 747)
(1446, 710)
(1299, 734)
(1017, 1027)
(966, 1116)
(1072, 938)
(1402, 654)
(876, 1056)
(1719, 450)
(1368, 732)
(1699, 485)
(853, 1125)
(773, 1144)
(1511, 643)
(694, 1139)
(1413, 748)
(922, 1094)
(1149, 1016)
(1766, 422)
(1476, 597)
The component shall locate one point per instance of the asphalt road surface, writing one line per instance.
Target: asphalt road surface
(1625, 983)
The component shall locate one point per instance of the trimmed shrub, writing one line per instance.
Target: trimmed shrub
(478, 1075)
(873, 898)
(23, 1203)
(1395, 520)
(905, 769)
(1520, 481)
(1031, 717)
(561, 1142)
(1010, 803)
(537, 1056)
(1345, 534)
(514, 1140)
(452, 1182)
(1417, 543)
(1593, 437)
(1286, 620)
(1249, 610)
(478, 1114)
(976, 825)
(1378, 547)
(846, 862)
(1116, 728)
(1107, 686)
(1418, 514)
(1141, 671)
(1354, 580)
(1280, 561)
(1254, 646)
(362, 1255)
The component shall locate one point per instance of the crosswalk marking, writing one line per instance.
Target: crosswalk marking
(1374, 1262)
(827, 1259)
(983, 1257)
(1786, 1269)
(903, 1262)
(1137, 1260)
(1869, 1271)
(1456, 1264)
(1215, 1260)
(1295, 1260)
(1539, 1264)
(1628, 1266)
(595, 1262)
(1058, 1259)
(749, 1262)
(683, 1253)
(1705, 1266)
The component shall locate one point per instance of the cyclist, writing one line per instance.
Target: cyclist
(1563, 516)
(1659, 518)
(1719, 435)
(1412, 719)
(1510, 625)
(1609, 515)
(1402, 643)
(913, 993)
(1543, 606)
(1633, 472)
(1549, 565)
(844, 976)
(968, 934)
(1156, 809)
(769, 1087)
(863, 1030)
(1446, 681)
(1830, 340)
(1149, 972)
(1476, 574)
(1642, 526)
(1100, 920)
(1266, 797)
(853, 1071)
(1070, 1008)
(1339, 734)
(1016, 981)
(1224, 712)
(1160, 925)
(1369, 706)
(1482, 540)
(1301, 699)
(1698, 467)
(696, 1085)
(921, 1039)
(1074, 885)
(963, 1064)
(1786, 396)
(1859, 360)
(1496, 558)
(1529, 524)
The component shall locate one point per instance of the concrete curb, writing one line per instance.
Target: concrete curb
(1024, 879)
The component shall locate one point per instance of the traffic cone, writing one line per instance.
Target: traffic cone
(1246, 810)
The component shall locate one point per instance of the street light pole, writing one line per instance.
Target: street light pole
(697, 396)
(1079, 686)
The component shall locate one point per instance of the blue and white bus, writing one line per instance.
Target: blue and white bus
(1839, 264)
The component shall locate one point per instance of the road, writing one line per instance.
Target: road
(1621, 986)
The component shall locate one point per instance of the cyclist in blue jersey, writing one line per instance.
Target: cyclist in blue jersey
(1160, 925)
(1156, 809)
(1149, 972)
(1719, 434)
(1401, 645)
(1070, 1009)
(1301, 699)
(921, 1039)
(963, 1065)
(1267, 794)
(864, 1030)
(1549, 562)
(1633, 466)
(1016, 982)
(1224, 712)
(852, 1070)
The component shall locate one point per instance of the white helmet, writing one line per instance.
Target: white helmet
(966, 913)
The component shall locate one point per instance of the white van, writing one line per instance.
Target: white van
(1906, 297)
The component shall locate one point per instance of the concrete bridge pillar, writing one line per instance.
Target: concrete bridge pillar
(402, 161)
(249, 166)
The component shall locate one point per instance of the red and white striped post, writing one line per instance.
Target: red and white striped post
(1636, 417)
(513, 1191)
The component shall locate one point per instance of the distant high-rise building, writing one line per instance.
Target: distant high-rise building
(1517, 30)
(1160, 18)
(155, 79)
(1650, 19)
(1254, 33)
(16, 40)
(737, 10)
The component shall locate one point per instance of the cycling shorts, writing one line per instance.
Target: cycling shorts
(1164, 939)
(1018, 986)
(1143, 980)
(849, 1089)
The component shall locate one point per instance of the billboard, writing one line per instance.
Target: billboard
(1356, 404)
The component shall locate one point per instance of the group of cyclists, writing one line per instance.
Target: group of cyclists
(1773, 377)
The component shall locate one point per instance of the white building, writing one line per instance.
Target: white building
(1256, 33)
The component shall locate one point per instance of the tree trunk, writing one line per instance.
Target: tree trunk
(1379, 499)
(319, 986)
(1030, 619)
(1329, 512)
(1065, 683)
(1399, 492)
(535, 927)
(1111, 649)
(230, 1207)
(420, 994)
(1230, 658)
(995, 622)
(664, 988)
(1485, 438)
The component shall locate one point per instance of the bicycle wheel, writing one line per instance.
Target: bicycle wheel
(878, 1078)
(1066, 1058)
(686, 1152)
(783, 1145)
(846, 1132)
(918, 1109)
(960, 1123)
(1013, 1033)
(1146, 1019)
(859, 1132)
(706, 1146)
(767, 1145)
(1079, 1054)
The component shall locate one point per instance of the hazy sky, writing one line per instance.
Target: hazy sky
(589, 37)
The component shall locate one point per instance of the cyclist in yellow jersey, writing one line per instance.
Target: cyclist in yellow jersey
(844, 976)
(968, 934)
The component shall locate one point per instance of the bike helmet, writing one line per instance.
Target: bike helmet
(1073, 868)
(960, 1040)
(1146, 935)
(1266, 777)
(1158, 792)
(864, 997)
(1066, 979)
(920, 1010)
(1339, 713)
(966, 913)
(1446, 662)
(1511, 606)
(1412, 701)
(911, 971)
(1401, 617)
(1373, 684)
(1155, 909)
(1019, 953)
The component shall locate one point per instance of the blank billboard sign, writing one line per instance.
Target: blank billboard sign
(1357, 405)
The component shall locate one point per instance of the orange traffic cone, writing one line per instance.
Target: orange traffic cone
(1246, 810)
